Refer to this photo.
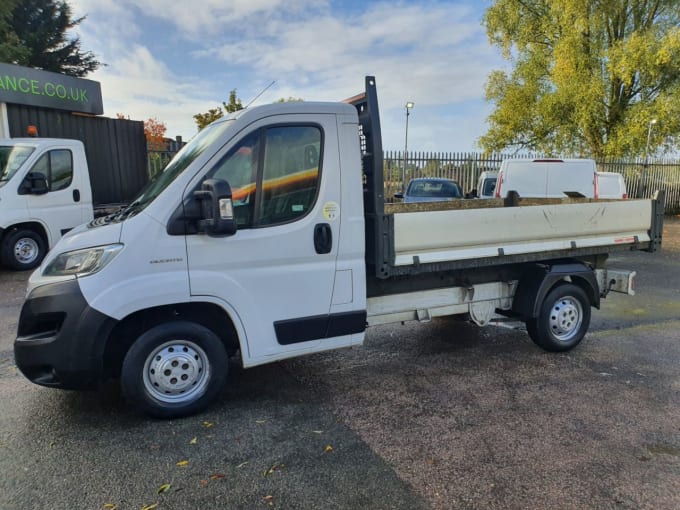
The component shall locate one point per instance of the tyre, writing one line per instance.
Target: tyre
(174, 369)
(563, 319)
(23, 249)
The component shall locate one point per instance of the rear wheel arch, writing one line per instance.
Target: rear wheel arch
(540, 279)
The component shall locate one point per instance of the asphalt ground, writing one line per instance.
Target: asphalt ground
(439, 415)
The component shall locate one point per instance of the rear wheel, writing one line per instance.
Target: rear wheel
(174, 369)
(563, 319)
(22, 249)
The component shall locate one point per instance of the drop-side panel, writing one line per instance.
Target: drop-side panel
(439, 236)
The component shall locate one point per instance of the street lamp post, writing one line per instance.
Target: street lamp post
(409, 105)
(649, 136)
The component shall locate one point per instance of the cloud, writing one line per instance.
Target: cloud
(173, 62)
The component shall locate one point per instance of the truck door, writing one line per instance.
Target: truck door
(277, 272)
(60, 208)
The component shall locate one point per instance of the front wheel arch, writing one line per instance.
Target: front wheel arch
(131, 327)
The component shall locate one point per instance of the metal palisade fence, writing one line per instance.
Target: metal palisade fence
(465, 167)
(642, 178)
(160, 155)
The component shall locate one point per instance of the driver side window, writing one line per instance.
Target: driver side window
(239, 168)
(273, 173)
(57, 167)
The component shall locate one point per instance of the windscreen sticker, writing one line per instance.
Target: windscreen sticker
(331, 210)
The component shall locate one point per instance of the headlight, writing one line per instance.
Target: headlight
(82, 262)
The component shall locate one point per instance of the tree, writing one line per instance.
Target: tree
(33, 33)
(587, 76)
(289, 100)
(11, 49)
(234, 105)
(154, 130)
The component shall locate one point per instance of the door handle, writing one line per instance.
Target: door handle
(76, 195)
(323, 238)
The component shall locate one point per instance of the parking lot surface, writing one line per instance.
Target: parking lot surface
(439, 415)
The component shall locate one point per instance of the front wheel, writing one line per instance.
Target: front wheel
(22, 249)
(174, 369)
(563, 319)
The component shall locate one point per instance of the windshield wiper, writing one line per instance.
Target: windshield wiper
(128, 211)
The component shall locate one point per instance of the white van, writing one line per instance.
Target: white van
(551, 178)
(486, 183)
(611, 185)
(44, 192)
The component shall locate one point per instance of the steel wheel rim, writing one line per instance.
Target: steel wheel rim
(26, 250)
(566, 317)
(176, 371)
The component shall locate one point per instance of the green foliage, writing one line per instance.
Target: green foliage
(587, 76)
(11, 49)
(33, 33)
(289, 100)
(203, 119)
(431, 168)
(234, 105)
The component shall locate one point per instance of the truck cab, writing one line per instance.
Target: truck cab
(44, 193)
(243, 243)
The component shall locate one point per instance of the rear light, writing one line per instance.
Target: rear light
(625, 196)
(499, 183)
(597, 186)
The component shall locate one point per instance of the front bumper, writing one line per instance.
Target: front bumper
(61, 340)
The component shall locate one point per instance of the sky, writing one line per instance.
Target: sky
(171, 60)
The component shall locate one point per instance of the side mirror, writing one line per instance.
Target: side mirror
(217, 210)
(399, 195)
(34, 183)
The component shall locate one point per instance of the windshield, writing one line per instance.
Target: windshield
(11, 159)
(438, 189)
(179, 163)
(489, 186)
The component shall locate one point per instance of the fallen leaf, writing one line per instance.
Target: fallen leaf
(110, 506)
(204, 483)
(150, 507)
(260, 421)
(217, 476)
(269, 500)
(328, 449)
(193, 441)
(208, 424)
(318, 431)
(164, 488)
(241, 465)
(183, 463)
(274, 467)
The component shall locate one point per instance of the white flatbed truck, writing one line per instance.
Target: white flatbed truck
(268, 235)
